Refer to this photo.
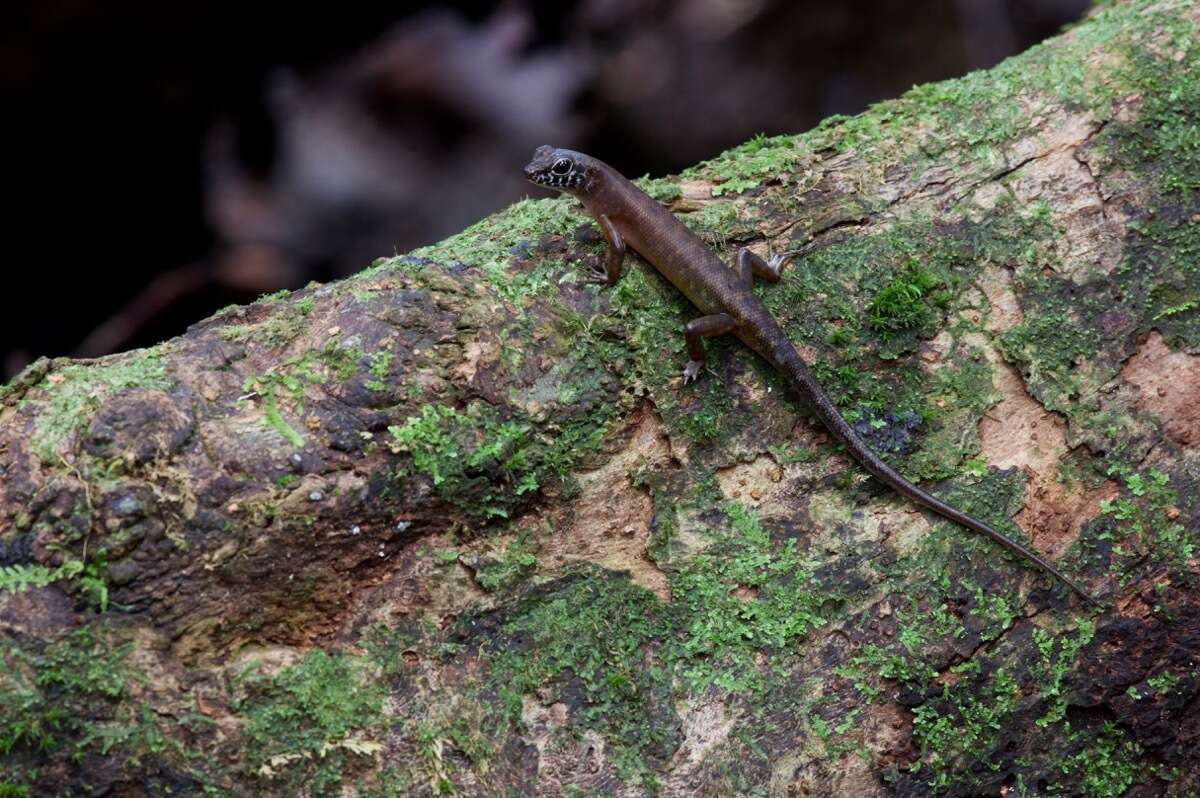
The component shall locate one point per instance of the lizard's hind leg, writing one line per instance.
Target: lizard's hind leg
(750, 265)
(695, 333)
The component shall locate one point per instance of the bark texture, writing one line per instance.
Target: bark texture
(455, 527)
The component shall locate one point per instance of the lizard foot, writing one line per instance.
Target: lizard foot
(775, 263)
(692, 371)
(594, 275)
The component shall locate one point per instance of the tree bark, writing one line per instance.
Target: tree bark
(455, 526)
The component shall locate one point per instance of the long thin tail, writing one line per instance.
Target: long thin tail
(803, 382)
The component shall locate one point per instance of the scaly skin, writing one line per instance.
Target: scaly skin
(627, 216)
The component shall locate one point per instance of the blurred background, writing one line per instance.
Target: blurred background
(167, 159)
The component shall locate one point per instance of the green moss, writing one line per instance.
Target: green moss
(271, 388)
(392, 782)
(302, 725)
(340, 359)
(1162, 264)
(1147, 525)
(1058, 332)
(485, 464)
(747, 166)
(49, 697)
(903, 663)
(659, 189)
(743, 596)
(1162, 140)
(714, 222)
(1158, 281)
(29, 377)
(517, 563)
(907, 302)
(489, 246)
(386, 647)
(915, 270)
(380, 368)
(594, 633)
(593, 630)
(283, 325)
(922, 628)
(69, 397)
(456, 449)
(283, 386)
(275, 331)
(1109, 765)
(958, 731)
(874, 296)
(67, 700)
(982, 113)
(1057, 655)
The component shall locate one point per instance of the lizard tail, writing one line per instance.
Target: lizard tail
(803, 382)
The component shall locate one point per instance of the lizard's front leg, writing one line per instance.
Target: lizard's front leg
(615, 258)
(695, 333)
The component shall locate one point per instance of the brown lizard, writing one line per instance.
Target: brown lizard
(629, 218)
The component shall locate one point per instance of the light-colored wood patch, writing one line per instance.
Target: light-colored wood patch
(1168, 384)
(1090, 243)
(1004, 309)
(611, 523)
(752, 483)
(705, 725)
(1020, 432)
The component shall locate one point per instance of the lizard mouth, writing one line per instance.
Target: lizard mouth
(549, 180)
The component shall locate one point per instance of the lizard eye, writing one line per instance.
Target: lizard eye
(561, 167)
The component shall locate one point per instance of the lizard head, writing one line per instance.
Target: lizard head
(565, 170)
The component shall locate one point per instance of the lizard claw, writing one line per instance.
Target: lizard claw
(692, 371)
(775, 260)
(594, 276)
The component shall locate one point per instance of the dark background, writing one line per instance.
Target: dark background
(165, 159)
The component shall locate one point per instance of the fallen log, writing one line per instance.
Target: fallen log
(454, 526)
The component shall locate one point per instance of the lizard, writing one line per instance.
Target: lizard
(629, 219)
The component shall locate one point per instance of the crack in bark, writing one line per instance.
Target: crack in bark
(1000, 174)
(1079, 157)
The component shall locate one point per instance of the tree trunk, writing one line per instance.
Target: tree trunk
(455, 526)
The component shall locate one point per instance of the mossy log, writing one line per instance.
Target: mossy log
(454, 526)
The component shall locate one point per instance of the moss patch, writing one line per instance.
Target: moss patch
(747, 166)
(590, 633)
(66, 701)
(306, 724)
(485, 464)
(743, 596)
(71, 395)
(489, 246)
(1146, 524)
